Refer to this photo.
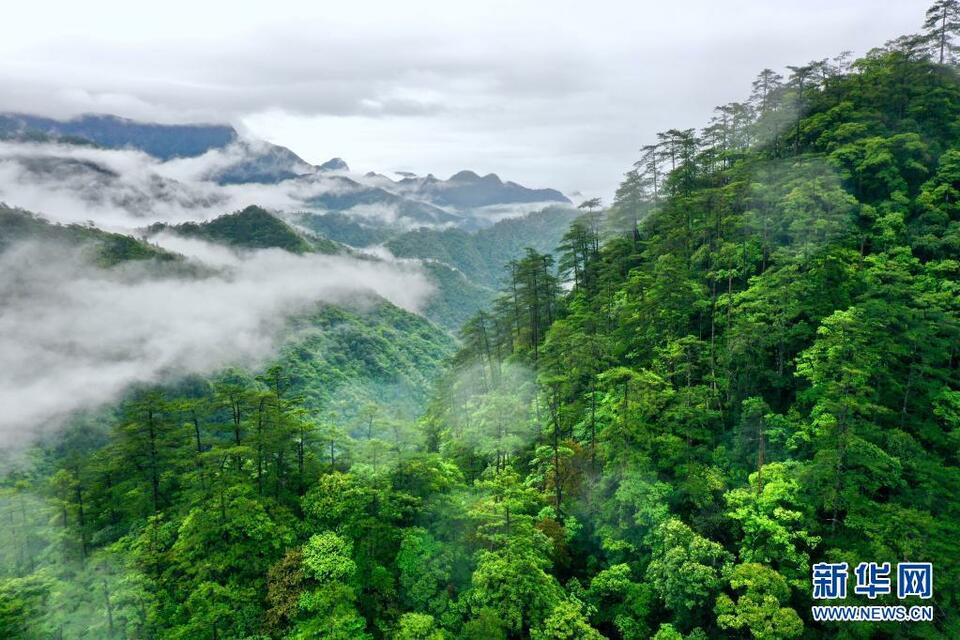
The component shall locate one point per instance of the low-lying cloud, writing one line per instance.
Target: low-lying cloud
(74, 336)
(127, 189)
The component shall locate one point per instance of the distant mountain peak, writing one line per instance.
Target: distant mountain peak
(334, 164)
(464, 176)
(472, 176)
(235, 160)
(163, 141)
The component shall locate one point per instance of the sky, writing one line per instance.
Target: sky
(549, 94)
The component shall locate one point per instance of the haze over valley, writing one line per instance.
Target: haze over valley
(524, 321)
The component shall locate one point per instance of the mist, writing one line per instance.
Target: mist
(74, 336)
(122, 189)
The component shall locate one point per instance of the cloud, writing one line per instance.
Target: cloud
(119, 189)
(125, 190)
(494, 213)
(73, 336)
(558, 95)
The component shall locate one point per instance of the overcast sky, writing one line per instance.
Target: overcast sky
(550, 93)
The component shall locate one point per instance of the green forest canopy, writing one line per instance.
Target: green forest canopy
(747, 364)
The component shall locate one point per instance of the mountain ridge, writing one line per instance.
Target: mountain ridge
(243, 161)
(164, 141)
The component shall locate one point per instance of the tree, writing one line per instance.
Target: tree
(619, 603)
(566, 622)
(685, 568)
(942, 24)
(328, 610)
(513, 582)
(426, 572)
(774, 520)
(417, 626)
(149, 438)
(759, 607)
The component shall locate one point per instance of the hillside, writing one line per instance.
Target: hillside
(251, 228)
(374, 355)
(759, 379)
(345, 228)
(726, 403)
(458, 298)
(108, 249)
(482, 255)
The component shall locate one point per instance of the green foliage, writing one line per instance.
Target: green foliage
(566, 622)
(417, 626)
(106, 249)
(685, 568)
(771, 513)
(513, 583)
(753, 369)
(758, 608)
(483, 255)
(252, 228)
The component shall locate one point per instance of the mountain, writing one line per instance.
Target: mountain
(193, 170)
(457, 297)
(365, 349)
(163, 141)
(105, 249)
(83, 186)
(251, 228)
(730, 417)
(467, 190)
(367, 354)
(466, 266)
(260, 163)
(374, 205)
(346, 228)
(482, 255)
(334, 164)
(449, 225)
(373, 202)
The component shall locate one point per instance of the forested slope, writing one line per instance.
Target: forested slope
(482, 255)
(747, 365)
(251, 228)
(764, 376)
(106, 248)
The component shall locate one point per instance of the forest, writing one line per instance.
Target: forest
(746, 364)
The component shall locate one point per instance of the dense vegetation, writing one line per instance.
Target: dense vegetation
(251, 228)
(747, 364)
(482, 255)
(466, 266)
(106, 249)
(457, 297)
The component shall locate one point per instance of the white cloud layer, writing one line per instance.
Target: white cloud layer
(558, 94)
(74, 337)
(125, 189)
